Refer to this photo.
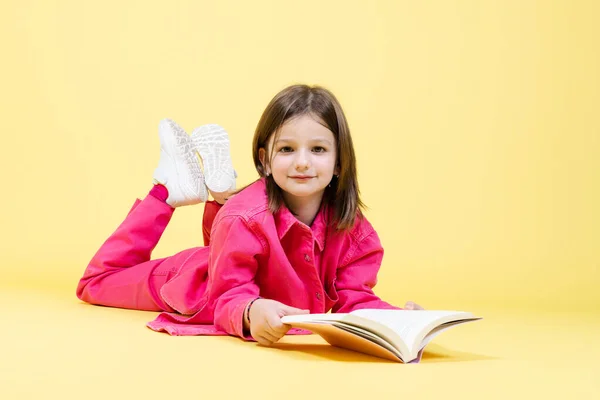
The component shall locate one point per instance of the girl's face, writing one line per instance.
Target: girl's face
(303, 161)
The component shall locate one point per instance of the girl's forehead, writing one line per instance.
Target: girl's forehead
(305, 127)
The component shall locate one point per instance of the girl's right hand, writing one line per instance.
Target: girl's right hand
(411, 305)
(265, 320)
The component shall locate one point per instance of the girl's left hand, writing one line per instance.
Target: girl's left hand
(410, 305)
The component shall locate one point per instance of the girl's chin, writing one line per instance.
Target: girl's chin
(304, 192)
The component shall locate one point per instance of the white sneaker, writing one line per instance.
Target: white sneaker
(212, 144)
(179, 168)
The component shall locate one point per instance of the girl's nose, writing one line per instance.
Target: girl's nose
(302, 161)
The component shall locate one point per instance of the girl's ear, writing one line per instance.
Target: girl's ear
(336, 171)
(262, 155)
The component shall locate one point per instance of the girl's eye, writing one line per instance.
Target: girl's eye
(319, 149)
(285, 149)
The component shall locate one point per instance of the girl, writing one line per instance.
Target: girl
(292, 242)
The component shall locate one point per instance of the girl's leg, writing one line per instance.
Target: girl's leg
(121, 273)
(211, 208)
(212, 144)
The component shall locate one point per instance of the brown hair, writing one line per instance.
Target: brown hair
(342, 195)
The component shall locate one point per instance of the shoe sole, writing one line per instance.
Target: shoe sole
(211, 141)
(178, 146)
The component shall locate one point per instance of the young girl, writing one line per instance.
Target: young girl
(292, 242)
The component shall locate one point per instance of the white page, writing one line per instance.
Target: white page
(369, 336)
(312, 318)
(440, 329)
(409, 323)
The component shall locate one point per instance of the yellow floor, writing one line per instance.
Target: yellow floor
(54, 346)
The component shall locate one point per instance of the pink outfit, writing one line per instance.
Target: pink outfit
(250, 252)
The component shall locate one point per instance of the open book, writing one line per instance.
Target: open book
(398, 335)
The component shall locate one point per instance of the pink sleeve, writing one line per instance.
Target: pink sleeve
(357, 275)
(233, 265)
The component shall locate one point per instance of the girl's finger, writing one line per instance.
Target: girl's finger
(411, 305)
(277, 327)
(260, 340)
(263, 341)
(280, 328)
(271, 336)
(279, 335)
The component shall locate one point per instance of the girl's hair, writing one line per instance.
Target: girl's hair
(342, 195)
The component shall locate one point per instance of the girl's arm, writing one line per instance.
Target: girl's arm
(357, 276)
(233, 265)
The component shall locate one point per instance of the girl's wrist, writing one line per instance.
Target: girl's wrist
(247, 313)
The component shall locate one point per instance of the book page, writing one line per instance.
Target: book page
(412, 325)
(439, 329)
(288, 319)
(349, 340)
(385, 333)
(404, 330)
(369, 336)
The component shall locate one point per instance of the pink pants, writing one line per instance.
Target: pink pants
(121, 273)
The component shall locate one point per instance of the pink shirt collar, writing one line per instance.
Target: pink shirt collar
(285, 220)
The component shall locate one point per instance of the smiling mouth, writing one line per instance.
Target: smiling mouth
(301, 177)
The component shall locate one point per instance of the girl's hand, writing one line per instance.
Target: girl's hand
(265, 320)
(412, 306)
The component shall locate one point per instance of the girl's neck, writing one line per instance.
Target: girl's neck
(305, 209)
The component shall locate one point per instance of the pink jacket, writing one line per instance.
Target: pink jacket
(252, 253)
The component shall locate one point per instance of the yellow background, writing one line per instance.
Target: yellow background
(477, 131)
